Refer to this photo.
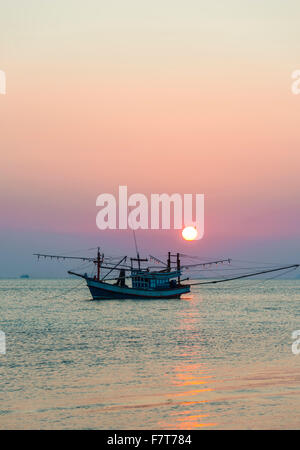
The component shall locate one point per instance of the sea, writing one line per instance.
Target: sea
(221, 357)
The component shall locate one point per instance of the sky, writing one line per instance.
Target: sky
(161, 96)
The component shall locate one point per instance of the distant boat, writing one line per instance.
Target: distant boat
(24, 276)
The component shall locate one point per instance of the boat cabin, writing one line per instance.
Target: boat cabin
(143, 279)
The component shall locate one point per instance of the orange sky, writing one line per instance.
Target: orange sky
(160, 97)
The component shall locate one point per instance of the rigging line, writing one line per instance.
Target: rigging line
(233, 259)
(221, 269)
(220, 275)
(84, 266)
(264, 280)
(158, 260)
(200, 258)
(209, 270)
(261, 282)
(220, 261)
(247, 275)
(114, 268)
(281, 274)
(257, 262)
(224, 268)
(247, 284)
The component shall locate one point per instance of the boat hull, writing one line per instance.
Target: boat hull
(106, 291)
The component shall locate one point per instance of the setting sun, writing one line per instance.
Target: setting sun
(189, 233)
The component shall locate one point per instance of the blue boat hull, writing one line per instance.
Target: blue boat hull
(106, 291)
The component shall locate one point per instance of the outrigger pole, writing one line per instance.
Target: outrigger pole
(81, 258)
(294, 266)
(208, 263)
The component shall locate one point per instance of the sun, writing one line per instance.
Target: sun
(189, 233)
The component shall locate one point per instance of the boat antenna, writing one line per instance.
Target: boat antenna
(136, 249)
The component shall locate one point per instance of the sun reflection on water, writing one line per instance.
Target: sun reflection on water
(192, 379)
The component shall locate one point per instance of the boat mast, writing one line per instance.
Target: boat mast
(169, 261)
(136, 250)
(138, 259)
(178, 267)
(98, 262)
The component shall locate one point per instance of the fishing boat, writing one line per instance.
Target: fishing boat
(139, 281)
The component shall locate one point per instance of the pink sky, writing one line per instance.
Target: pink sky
(159, 102)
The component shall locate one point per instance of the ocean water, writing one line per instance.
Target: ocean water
(220, 358)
